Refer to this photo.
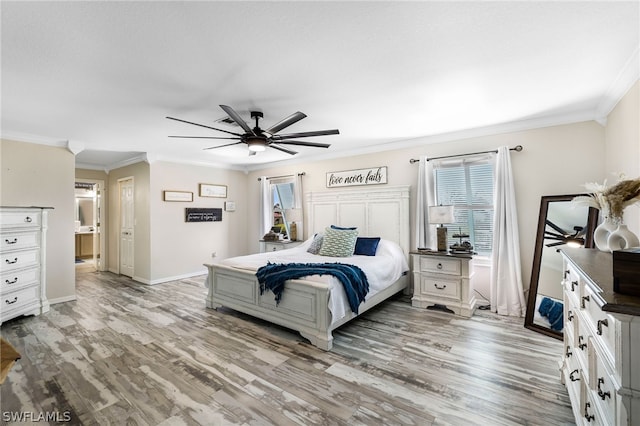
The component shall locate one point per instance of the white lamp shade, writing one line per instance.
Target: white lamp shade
(441, 214)
(293, 215)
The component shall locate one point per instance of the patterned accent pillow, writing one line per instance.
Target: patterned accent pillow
(314, 247)
(338, 242)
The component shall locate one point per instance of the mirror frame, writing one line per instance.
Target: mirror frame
(592, 220)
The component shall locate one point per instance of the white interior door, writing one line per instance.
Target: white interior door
(127, 223)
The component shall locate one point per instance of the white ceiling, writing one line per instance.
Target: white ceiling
(102, 76)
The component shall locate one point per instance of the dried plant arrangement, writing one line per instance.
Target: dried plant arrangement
(611, 201)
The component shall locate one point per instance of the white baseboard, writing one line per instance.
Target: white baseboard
(62, 299)
(167, 279)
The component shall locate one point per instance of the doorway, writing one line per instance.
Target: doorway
(89, 220)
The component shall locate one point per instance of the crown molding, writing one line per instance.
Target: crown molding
(627, 77)
(36, 139)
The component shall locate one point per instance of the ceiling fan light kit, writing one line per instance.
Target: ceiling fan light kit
(258, 140)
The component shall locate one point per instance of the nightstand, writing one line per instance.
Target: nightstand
(266, 246)
(443, 281)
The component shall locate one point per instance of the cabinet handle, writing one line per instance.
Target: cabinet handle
(28, 219)
(15, 240)
(440, 288)
(601, 393)
(573, 285)
(568, 352)
(15, 299)
(580, 344)
(574, 379)
(566, 272)
(439, 266)
(10, 262)
(569, 316)
(15, 280)
(588, 416)
(585, 299)
(600, 324)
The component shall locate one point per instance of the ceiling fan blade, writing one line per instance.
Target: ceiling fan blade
(293, 118)
(221, 146)
(236, 117)
(306, 134)
(203, 137)
(202, 125)
(556, 244)
(301, 143)
(279, 148)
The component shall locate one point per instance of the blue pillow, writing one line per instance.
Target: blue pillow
(366, 246)
(340, 228)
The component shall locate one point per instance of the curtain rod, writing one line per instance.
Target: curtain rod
(278, 177)
(517, 148)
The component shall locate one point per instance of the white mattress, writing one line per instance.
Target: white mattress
(382, 270)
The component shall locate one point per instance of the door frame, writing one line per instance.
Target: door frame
(102, 219)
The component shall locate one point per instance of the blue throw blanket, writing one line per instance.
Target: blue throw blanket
(553, 311)
(273, 275)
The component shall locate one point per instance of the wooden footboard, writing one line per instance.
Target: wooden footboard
(303, 307)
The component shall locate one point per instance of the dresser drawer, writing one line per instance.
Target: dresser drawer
(440, 287)
(19, 298)
(601, 385)
(19, 259)
(19, 240)
(20, 278)
(602, 324)
(15, 219)
(440, 266)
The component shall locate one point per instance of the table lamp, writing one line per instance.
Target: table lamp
(292, 216)
(439, 215)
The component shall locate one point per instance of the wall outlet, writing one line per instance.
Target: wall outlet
(214, 254)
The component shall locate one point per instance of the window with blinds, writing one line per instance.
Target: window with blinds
(467, 184)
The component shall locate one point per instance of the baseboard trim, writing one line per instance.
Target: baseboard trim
(167, 279)
(62, 299)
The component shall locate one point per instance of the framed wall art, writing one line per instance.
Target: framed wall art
(211, 190)
(185, 196)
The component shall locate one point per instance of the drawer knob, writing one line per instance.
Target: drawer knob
(573, 285)
(15, 240)
(580, 344)
(602, 394)
(588, 416)
(15, 299)
(439, 266)
(571, 376)
(569, 316)
(600, 324)
(28, 219)
(568, 352)
(15, 280)
(10, 262)
(440, 287)
(585, 299)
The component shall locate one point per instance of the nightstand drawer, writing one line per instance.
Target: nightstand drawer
(440, 265)
(440, 287)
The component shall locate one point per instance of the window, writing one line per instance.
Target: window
(467, 184)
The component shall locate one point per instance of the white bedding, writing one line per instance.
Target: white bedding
(382, 270)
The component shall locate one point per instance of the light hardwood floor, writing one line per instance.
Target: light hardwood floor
(126, 353)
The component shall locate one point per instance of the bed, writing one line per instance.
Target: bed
(311, 305)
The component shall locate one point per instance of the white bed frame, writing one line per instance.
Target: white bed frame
(376, 211)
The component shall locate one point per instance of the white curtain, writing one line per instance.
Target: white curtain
(507, 295)
(266, 207)
(426, 197)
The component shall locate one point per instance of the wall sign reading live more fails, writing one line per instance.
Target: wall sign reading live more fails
(372, 176)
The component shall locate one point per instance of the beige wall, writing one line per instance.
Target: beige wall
(622, 136)
(179, 249)
(37, 175)
(555, 160)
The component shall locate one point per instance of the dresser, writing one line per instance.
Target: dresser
(266, 246)
(443, 281)
(601, 360)
(23, 261)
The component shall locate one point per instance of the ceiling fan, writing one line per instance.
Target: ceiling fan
(561, 236)
(258, 139)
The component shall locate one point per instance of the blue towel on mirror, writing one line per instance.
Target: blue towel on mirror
(552, 309)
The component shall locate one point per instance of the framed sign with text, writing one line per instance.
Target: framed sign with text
(372, 176)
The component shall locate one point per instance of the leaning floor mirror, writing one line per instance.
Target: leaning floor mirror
(561, 223)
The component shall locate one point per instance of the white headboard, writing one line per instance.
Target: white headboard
(377, 211)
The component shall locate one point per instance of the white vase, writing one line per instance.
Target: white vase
(602, 232)
(622, 238)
